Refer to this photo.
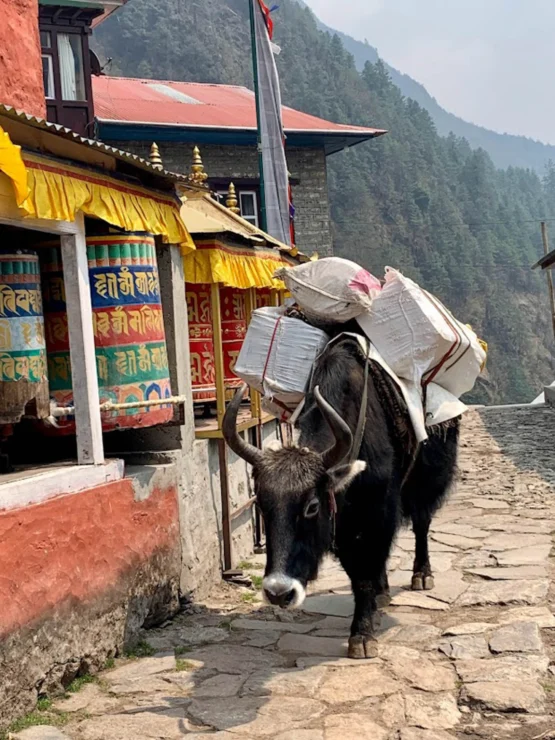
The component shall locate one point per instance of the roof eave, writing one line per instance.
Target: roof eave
(331, 140)
(547, 262)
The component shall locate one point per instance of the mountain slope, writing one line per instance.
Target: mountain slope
(506, 150)
(429, 205)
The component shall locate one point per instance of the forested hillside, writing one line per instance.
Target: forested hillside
(506, 150)
(429, 205)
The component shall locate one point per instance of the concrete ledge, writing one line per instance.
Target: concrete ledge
(39, 485)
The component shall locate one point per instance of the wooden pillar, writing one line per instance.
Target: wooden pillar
(90, 450)
(218, 351)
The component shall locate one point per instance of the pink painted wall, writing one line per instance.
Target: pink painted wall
(20, 57)
(75, 548)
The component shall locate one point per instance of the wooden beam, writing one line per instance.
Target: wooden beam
(42, 224)
(88, 423)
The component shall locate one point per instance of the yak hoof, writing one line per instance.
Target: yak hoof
(383, 600)
(417, 582)
(422, 582)
(362, 647)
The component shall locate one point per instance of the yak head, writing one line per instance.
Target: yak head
(295, 489)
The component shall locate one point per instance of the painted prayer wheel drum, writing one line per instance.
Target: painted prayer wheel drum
(130, 342)
(263, 297)
(234, 328)
(201, 341)
(23, 375)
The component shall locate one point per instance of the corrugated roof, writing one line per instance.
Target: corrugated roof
(122, 155)
(196, 105)
(547, 262)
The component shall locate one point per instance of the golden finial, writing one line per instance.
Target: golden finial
(231, 200)
(198, 176)
(154, 156)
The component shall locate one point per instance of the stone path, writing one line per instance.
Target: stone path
(470, 659)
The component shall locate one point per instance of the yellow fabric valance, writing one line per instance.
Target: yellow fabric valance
(58, 192)
(234, 267)
(47, 189)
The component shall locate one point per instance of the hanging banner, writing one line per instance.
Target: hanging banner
(274, 165)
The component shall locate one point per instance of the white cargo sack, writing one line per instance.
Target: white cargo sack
(420, 339)
(277, 356)
(331, 290)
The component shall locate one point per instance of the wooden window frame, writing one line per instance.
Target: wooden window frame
(57, 102)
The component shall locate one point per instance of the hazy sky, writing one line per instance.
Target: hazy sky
(491, 62)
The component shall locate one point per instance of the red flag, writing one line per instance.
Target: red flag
(267, 17)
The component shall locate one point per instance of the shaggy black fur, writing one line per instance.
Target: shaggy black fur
(372, 506)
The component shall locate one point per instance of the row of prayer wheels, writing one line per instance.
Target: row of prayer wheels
(234, 322)
(130, 342)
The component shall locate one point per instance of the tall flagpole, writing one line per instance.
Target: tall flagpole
(258, 126)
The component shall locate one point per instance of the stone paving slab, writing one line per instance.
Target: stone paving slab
(469, 660)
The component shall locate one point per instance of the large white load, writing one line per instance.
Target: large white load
(277, 356)
(420, 339)
(331, 290)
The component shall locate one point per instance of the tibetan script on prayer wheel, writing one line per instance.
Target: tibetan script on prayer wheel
(130, 341)
(23, 374)
(263, 297)
(234, 329)
(201, 341)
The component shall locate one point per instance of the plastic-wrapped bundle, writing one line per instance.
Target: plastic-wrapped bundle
(331, 290)
(420, 339)
(278, 354)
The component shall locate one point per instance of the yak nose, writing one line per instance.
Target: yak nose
(281, 590)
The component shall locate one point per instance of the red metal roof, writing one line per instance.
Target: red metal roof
(195, 105)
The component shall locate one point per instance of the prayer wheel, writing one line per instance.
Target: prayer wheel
(234, 329)
(23, 369)
(201, 341)
(263, 297)
(130, 341)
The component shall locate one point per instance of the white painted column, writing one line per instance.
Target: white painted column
(90, 450)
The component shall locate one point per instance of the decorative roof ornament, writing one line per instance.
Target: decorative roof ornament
(198, 175)
(154, 157)
(231, 200)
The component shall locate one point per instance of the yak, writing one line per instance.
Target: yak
(315, 499)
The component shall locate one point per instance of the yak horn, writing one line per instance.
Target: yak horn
(243, 449)
(343, 437)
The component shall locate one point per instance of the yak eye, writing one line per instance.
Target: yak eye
(312, 508)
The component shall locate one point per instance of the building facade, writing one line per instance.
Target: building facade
(221, 120)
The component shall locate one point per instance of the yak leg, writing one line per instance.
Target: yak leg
(422, 579)
(383, 597)
(369, 584)
(362, 642)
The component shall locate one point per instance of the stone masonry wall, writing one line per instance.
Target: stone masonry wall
(308, 166)
(202, 530)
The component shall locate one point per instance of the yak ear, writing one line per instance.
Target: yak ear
(343, 475)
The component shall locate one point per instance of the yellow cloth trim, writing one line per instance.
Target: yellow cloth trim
(11, 163)
(234, 270)
(58, 191)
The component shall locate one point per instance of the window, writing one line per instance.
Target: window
(48, 76)
(248, 203)
(45, 39)
(70, 57)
